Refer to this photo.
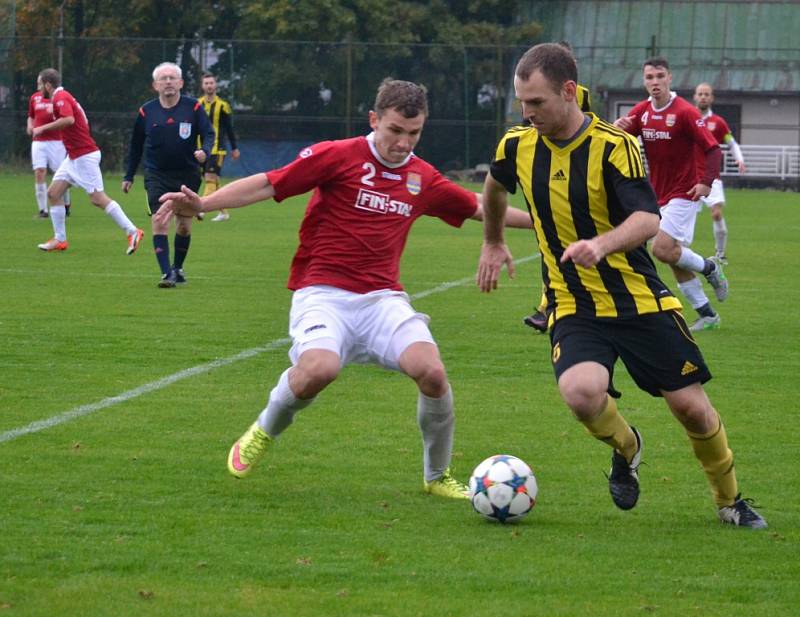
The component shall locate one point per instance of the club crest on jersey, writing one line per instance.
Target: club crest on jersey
(414, 183)
(185, 130)
(670, 121)
(711, 125)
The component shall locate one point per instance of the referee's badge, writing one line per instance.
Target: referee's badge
(185, 130)
(414, 183)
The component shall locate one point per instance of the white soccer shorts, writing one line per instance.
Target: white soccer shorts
(83, 171)
(47, 154)
(716, 196)
(678, 218)
(371, 328)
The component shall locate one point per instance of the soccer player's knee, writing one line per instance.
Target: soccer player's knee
(318, 373)
(666, 252)
(54, 194)
(583, 396)
(432, 379)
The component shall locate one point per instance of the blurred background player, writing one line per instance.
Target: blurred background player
(538, 319)
(348, 304)
(684, 160)
(47, 149)
(220, 114)
(704, 98)
(80, 168)
(167, 129)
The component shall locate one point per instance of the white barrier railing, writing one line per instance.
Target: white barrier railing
(765, 161)
(779, 162)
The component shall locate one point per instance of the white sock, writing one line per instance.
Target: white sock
(114, 210)
(720, 235)
(693, 290)
(689, 260)
(281, 408)
(437, 422)
(58, 216)
(41, 196)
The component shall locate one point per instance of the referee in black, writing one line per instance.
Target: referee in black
(167, 130)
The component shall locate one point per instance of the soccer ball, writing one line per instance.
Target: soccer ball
(503, 488)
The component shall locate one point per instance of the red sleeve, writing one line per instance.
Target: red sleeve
(62, 106)
(713, 163)
(635, 116)
(450, 202)
(698, 130)
(314, 165)
(725, 128)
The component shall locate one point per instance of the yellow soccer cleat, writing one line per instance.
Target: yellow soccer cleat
(447, 486)
(247, 451)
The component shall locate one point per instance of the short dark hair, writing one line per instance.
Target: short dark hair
(209, 74)
(656, 61)
(553, 60)
(51, 76)
(408, 98)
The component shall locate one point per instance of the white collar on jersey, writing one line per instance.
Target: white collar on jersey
(371, 143)
(672, 95)
(705, 114)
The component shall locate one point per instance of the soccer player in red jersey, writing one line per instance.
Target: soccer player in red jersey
(80, 168)
(704, 98)
(684, 160)
(348, 304)
(47, 150)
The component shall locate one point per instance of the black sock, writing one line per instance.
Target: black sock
(708, 268)
(181, 248)
(161, 246)
(705, 310)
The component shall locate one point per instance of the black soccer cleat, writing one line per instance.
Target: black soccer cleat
(168, 280)
(537, 321)
(180, 277)
(623, 481)
(742, 514)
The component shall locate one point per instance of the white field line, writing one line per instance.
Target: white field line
(158, 384)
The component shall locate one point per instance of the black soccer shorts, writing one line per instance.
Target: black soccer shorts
(657, 349)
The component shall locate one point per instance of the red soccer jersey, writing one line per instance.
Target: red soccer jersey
(675, 141)
(718, 127)
(358, 218)
(76, 137)
(40, 110)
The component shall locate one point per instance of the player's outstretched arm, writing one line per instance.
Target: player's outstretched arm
(514, 217)
(238, 194)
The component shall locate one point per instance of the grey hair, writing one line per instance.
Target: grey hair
(167, 65)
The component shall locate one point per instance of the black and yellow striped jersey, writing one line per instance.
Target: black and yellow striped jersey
(584, 98)
(219, 112)
(579, 191)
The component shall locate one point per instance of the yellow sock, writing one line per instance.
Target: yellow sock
(610, 427)
(211, 186)
(716, 458)
(542, 308)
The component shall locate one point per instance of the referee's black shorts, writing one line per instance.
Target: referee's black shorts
(657, 349)
(156, 183)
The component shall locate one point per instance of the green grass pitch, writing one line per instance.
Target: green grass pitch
(125, 506)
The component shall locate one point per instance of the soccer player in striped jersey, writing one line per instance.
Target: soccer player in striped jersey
(538, 319)
(704, 98)
(220, 113)
(593, 211)
(348, 304)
